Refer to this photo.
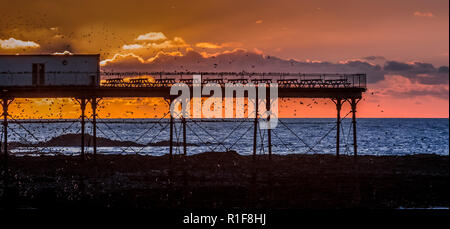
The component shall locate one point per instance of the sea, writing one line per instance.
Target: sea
(376, 136)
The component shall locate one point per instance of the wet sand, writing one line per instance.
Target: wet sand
(226, 180)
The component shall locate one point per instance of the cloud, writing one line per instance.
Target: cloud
(177, 42)
(397, 66)
(130, 58)
(424, 73)
(424, 14)
(403, 87)
(443, 69)
(43, 40)
(152, 36)
(241, 60)
(12, 43)
(258, 51)
(207, 45)
(63, 53)
(141, 54)
(372, 58)
(132, 46)
(232, 45)
(161, 55)
(121, 61)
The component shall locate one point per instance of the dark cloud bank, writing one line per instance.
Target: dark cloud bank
(417, 72)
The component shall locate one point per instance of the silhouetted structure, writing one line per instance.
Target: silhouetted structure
(338, 87)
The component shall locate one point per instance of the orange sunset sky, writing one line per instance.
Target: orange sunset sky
(402, 45)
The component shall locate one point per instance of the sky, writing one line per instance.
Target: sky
(402, 45)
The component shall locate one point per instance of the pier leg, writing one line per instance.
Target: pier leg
(255, 130)
(171, 137)
(355, 145)
(5, 104)
(184, 137)
(83, 115)
(269, 143)
(94, 125)
(269, 131)
(338, 133)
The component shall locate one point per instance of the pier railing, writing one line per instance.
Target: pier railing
(167, 79)
(284, 80)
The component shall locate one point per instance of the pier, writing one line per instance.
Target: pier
(339, 88)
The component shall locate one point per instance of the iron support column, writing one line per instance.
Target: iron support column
(5, 104)
(94, 125)
(338, 108)
(255, 130)
(269, 130)
(355, 144)
(184, 136)
(83, 108)
(171, 136)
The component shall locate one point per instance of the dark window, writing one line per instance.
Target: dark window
(93, 81)
(35, 74)
(38, 76)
